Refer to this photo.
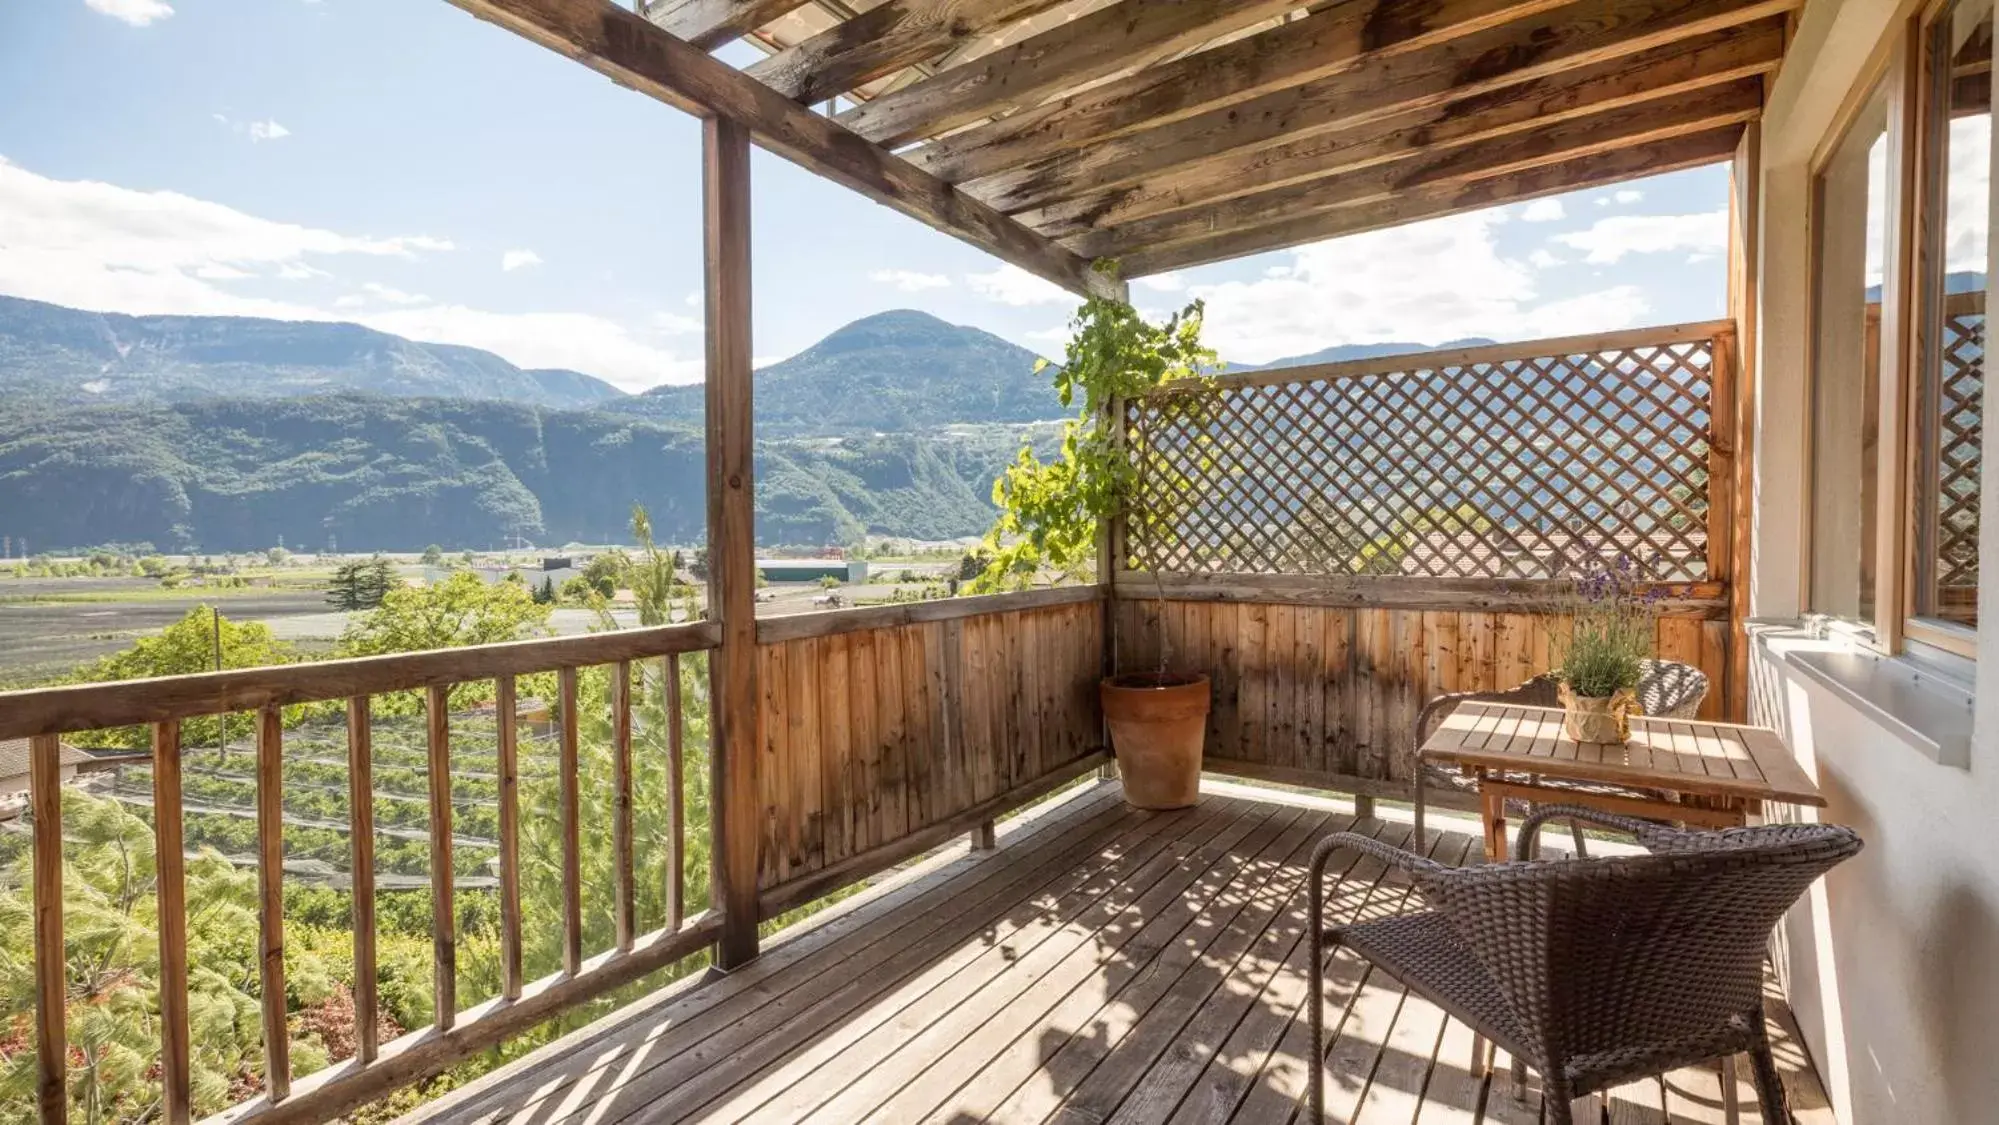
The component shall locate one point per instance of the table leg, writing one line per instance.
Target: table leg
(1495, 827)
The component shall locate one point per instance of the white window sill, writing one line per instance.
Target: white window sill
(1928, 712)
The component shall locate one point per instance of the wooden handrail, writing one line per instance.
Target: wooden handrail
(832, 622)
(84, 707)
(1688, 333)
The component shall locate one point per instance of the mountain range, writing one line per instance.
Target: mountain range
(228, 433)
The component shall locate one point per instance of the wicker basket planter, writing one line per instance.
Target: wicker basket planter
(1158, 721)
(1598, 718)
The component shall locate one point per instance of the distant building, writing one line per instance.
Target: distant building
(812, 570)
(15, 766)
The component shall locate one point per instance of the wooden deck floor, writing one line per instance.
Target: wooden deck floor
(1103, 965)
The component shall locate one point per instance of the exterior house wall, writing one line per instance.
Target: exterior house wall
(1892, 963)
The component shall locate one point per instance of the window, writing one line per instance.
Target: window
(1952, 254)
(1850, 194)
(1900, 204)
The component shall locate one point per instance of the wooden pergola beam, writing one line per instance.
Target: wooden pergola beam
(1141, 188)
(1696, 111)
(1320, 68)
(630, 50)
(710, 23)
(883, 40)
(1615, 166)
(1124, 37)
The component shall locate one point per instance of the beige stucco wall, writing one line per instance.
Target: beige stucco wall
(1893, 963)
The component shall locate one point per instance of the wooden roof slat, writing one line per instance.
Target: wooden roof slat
(1696, 111)
(1656, 158)
(1126, 36)
(1324, 43)
(629, 49)
(1588, 33)
(882, 40)
(710, 23)
(1142, 187)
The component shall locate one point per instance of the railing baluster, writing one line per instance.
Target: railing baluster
(443, 919)
(621, 801)
(51, 965)
(572, 841)
(510, 840)
(361, 838)
(170, 898)
(676, 812)
(271, 901)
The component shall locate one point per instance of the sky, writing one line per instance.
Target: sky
(402, 165)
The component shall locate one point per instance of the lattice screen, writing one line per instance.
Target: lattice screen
(1530, 467)
(1959, 439)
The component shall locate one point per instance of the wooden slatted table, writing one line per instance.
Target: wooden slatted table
(1692, 772)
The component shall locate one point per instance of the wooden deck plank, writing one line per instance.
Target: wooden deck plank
(1096, 970)
(1096, 823)
(898, 1036)
(1088, 1042)
(723, 1064)
(1103, 964)
(1275, 1085)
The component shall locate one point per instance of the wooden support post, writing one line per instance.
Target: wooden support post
(1363, 806)
(361, 840)
(984, 837)
(731, 533)
(443, 916)
(170, 899)
(1110, 560)
(1744, 207)
(271, 902)
(508, 707)
(51, 967)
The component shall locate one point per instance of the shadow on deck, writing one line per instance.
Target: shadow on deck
(1104, 964)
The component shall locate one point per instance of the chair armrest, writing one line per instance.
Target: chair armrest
(1367, 845)
(1648, 833)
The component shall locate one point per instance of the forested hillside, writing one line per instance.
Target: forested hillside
(369, 473)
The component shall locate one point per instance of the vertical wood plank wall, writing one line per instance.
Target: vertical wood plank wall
(1334, 692)
(871, 736)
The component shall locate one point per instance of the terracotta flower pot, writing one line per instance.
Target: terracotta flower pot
(1158, 721)
(1598, 718)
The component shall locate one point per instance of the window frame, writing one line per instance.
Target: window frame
(1903, 69)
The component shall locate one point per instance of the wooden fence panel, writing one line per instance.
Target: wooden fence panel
(877, 736)
(1332, 694)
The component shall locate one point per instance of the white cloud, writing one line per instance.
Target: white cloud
(1543, 211)
(673, 324)
(138, 13)
(1386, 285)
(1162, 283)
(1011, 285)
(1601, 201)
(99, 246)
(518, 259)
(1056, 336)
(1607, 241)
(1629, 196)
(910, 281)
(268, 131)
(1541, 259)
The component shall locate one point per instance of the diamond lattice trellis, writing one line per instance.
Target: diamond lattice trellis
(1960, 437)
(1526, 467)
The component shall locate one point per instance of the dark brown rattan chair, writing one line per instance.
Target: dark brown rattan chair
(1666, 689)
(1592, 971)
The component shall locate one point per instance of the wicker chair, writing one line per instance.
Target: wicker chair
(1666, 689)
(1592, 971)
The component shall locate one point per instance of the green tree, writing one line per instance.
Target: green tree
(459, 611)
(187, 646)
(654, 576)
(360, 585)
(433, 555)
(544, 594)
(608, 572)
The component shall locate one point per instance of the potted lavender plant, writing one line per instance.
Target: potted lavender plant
(1602, 658)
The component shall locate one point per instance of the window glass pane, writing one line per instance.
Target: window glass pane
(1851, 207)
(1951, 392)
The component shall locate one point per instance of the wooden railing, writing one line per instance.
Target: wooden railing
(46, 716)
(882, 732)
